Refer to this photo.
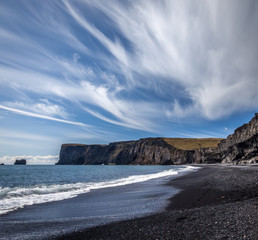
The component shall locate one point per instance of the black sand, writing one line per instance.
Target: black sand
(217, 202)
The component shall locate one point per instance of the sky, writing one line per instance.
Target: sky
(96, 72)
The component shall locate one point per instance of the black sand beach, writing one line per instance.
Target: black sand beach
(216, 202)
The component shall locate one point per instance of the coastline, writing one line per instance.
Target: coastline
(97, 207)
(216, 202)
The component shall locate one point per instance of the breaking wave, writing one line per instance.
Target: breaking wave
(14, 198)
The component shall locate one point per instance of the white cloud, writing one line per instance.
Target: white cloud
(128, 113)
(31, 160)
(35, 115)
(43, 107)
(114, 47)
(207, 48)
(76, 56)
(125, 114)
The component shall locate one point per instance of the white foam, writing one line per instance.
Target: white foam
(13, 198)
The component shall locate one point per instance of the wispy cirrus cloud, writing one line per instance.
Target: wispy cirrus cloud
(190, 44)
(43, 107)
(123, 112)
(134, 64)
(36, 115)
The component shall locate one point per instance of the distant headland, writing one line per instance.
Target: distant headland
(240, 147)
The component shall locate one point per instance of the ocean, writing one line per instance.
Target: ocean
(75, 197)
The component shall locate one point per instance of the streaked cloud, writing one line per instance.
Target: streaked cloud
(35, 115)
(128, 68)
(189, 43)
(180, 42)
(43, 107)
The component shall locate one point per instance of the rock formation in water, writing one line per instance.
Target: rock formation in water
(239, 147)
(20, 162)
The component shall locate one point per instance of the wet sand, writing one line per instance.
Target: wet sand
(216, 202)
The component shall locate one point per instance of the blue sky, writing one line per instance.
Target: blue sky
(104, 71)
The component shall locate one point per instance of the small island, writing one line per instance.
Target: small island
(20, 162)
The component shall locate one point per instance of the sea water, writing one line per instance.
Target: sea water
(46, 201)
(28, 185)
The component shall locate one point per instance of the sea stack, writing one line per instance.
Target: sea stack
(20, 162)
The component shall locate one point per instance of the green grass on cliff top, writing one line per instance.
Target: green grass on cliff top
(193, 143)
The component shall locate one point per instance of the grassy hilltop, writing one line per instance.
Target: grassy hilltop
(193, 143)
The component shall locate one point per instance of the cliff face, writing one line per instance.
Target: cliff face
(238, 147)
(242, 145)
(207, 155)
(149, 151)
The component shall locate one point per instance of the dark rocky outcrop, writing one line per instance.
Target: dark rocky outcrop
(20, 162)
(242, 145)
(239, 147)
(207, 155)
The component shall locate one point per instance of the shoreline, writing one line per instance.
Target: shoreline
(97, 207)
(215, 202)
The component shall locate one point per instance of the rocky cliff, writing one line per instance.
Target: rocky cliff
(242, 145)
(238, 147)
(149, 151)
